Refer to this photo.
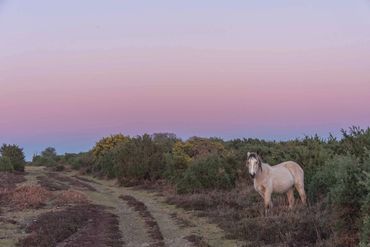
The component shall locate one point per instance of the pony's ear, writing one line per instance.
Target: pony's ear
(248, 154)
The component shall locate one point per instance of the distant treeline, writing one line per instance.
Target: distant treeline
(337, 171)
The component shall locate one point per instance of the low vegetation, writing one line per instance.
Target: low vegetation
(209, 175)
(26, 197)
(80, 225)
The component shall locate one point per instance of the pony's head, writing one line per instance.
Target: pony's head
(254, 163)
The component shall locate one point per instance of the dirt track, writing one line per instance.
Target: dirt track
(144, 218)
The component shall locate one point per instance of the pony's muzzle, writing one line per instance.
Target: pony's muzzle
(252, 175)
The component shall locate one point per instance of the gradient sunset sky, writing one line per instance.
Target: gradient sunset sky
(74, 71)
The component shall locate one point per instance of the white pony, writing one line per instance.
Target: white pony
(281, 178)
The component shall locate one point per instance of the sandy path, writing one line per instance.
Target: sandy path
(132, 225)
(175, 224)
(172, 231)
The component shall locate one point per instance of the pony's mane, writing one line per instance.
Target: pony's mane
(253, 155)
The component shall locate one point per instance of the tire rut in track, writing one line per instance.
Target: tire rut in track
(152, 225)
(131, 224)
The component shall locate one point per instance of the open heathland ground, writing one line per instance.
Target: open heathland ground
(44, 208)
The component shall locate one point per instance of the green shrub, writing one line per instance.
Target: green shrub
(82, 161)
(68, 158)
(6, 165)
(355, 141)
(105, 164)
(174, 167)
(48, 158)
(210, 172)
(341, 181)
(39, 160)
(15, 154)
(165, 140)
(328, 176)
(132, 161)
(365, 229)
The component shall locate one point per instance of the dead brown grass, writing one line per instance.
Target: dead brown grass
(81, 225)
(25, 197)
(70, 197)
(10, 179)
(180, 221)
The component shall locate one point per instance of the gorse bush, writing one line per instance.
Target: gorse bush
(108, 143)
(6, 164)
(139, 159)
(131, 161)
(15, 154)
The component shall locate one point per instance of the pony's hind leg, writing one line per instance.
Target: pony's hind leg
(302, 193)
(290, 195)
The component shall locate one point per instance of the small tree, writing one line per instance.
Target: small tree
(50, 153)
(48, 157)
(15, 154)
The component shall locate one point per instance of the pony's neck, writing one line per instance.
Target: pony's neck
(265, 169)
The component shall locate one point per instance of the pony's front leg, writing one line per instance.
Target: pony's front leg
(267, 200)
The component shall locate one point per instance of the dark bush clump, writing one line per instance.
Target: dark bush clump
(48, 157)
(6, 165)
(15, 154)
(212, 172)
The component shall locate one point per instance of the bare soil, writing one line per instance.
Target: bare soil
(86, 179)
(70, 181)
(150, 221)
(197, 240)
(51, 184)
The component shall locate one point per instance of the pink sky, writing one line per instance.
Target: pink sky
(223, 69)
